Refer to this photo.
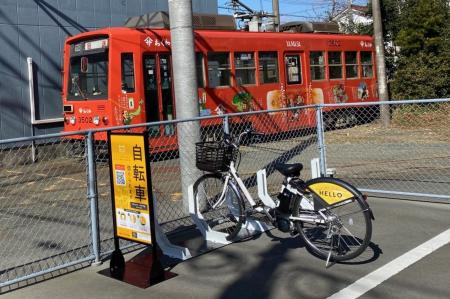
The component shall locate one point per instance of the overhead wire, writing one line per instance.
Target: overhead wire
(316, 9)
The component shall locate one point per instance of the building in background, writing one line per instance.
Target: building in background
(351, 17)
(37, 29)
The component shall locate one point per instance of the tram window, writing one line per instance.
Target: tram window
(293, 70)
(199, 69)
(351, 65)
(367, 67)
(218, 69)
(268, 67)
(317, 62)
(245, 68)
(127, 72)
(335, 65)
(88, 77)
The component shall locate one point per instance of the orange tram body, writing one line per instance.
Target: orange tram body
(122, 76)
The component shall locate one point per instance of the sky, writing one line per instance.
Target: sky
(290, 10)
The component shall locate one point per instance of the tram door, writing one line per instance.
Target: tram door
(295, 87)
(159, 98)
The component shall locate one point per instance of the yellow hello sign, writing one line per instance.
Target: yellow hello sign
(331, 193)
(130, 187)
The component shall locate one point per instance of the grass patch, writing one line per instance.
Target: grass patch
(421, 115)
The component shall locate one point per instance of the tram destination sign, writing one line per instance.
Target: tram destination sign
(130, 187)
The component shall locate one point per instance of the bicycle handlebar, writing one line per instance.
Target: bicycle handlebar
(237, 142)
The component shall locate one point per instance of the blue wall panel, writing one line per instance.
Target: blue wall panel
(67, 12)
(8, 12)
(118, 12)
(150, 5)
(49, 71)
(133, 7)
(37, 29)
(164, 5)
(10, 94)
(85, 13)
(102, 11)
(12, 111)
(27, 12)
(46, 12)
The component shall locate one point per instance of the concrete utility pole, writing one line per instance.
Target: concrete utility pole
(380, 61)
(183, 57)
(350, 15)
(276, 13)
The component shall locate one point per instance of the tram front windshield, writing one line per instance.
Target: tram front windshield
(88, 76)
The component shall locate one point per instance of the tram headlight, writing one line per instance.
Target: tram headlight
(66, 120)
(72, 120)
(96, 120)
(105, 120)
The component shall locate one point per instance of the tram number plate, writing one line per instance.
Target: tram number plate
(85, 119)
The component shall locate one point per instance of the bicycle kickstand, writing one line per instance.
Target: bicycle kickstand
(330, 236)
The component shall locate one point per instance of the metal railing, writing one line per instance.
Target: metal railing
(55, 208)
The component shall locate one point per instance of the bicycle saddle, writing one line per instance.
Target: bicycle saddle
(289, 170)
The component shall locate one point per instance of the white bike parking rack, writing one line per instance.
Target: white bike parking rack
(250, 226)
(169, 249)
(208, 234)
(262, 189)
(315, 169)
(253, 225)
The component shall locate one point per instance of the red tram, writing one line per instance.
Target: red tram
(121, 76)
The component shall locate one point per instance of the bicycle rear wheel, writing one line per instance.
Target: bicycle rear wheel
(345, 233)
(222, 211)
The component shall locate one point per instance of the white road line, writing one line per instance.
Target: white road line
(371, 280)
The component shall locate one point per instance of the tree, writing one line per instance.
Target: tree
(335, 7)
(417, 46)
(422, 33)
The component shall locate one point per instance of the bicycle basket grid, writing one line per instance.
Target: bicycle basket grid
(213, 156)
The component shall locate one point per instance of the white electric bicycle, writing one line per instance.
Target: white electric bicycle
(331, 216)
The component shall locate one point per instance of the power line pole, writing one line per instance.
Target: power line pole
(183, 57)
(276, 13)
(380, 61)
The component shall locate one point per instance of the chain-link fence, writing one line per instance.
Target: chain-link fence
(297, 143)
(55, 203)
(44, 213)
(408, 158)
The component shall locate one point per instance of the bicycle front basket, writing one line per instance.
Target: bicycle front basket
(213, 156)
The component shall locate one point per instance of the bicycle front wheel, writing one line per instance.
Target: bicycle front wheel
(344, 233)
(221, 206)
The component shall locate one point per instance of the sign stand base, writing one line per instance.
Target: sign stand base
(141, 271)
(133, 212)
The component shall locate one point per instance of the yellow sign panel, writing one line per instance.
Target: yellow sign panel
(331, 193)
(131, 194)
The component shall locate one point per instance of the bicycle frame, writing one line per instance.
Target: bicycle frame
(232, 173)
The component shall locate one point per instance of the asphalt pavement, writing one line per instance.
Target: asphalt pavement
(274, 265)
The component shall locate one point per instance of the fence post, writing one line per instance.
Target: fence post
(92, 196)
(226, 125)
(321, 140)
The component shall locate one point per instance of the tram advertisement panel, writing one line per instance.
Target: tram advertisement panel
(130, 177)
